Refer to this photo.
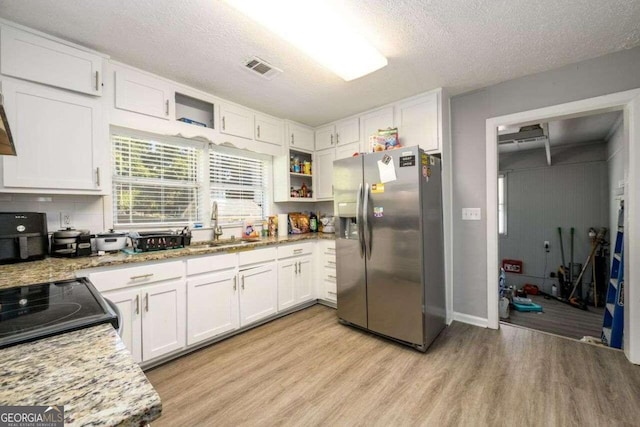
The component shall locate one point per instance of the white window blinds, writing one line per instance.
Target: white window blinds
(238, 184)
(154, 182)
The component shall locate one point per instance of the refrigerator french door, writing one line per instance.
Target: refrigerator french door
(389, 244)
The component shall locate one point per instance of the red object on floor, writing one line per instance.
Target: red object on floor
(512, 266)
(531, 289)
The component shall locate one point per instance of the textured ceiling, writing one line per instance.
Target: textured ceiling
(457, 44)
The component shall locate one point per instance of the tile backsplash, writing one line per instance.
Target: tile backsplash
(85, 212)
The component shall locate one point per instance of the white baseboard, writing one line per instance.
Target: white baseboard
(472, 320)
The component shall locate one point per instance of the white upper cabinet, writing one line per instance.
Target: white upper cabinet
(374, 121)
(144, 94)
(418, 122)
(236, 121)
(31, 57)
(269, 129)
(300, 137)
(59, 138)
(348, 131)
(324, 174)
(325, 137)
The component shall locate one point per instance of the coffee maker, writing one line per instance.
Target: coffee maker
(23, 236)
(71, 243)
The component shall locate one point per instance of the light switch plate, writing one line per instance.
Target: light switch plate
(471, 214)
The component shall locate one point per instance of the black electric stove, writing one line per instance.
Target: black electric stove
(32, 312)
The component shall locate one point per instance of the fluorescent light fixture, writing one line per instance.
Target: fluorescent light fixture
(318, 31)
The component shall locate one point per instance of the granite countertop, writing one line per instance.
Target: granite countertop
(54, 269)
(89, 371)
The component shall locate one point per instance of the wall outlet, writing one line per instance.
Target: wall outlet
(66, 219)
(471, 214)
(546, 245)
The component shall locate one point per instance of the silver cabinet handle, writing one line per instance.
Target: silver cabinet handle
(295, 266)
(97, 80)
(331, 277)
(292, 139)
(331, 139)
(243, 282)
(138, 304)
(147, 303)
(166, 110)
(223, 123)
(235, 283)
(141, 276)
(97, 177)
(258, 131)
(300, 267)
(297, 251)
(337, 138)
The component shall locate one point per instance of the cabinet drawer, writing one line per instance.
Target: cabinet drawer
(295, 250)
(328, 261)
(330, 285)
(256, 256)
(206, 264)
(328, 247)
(133, 276)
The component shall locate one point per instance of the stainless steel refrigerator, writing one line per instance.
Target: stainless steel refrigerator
(389, 244)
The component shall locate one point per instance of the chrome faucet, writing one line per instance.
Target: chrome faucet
(217, 230)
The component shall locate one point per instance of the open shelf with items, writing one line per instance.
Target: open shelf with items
(194, 111)
(293, 174)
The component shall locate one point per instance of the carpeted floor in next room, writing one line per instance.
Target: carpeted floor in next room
(559, 318)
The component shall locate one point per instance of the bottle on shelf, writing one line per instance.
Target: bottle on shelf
(303, 190)
(296, 164)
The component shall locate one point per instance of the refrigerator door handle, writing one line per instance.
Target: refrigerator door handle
(365, 222)
(359, 221)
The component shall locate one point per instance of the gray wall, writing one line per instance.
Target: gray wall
(607, 74)
(572, 192)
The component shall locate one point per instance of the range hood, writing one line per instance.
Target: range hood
(6, 140)
(525, 134)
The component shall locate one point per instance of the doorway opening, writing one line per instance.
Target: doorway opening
(560, 184)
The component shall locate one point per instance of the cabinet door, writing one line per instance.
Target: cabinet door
(30, 57)
(304, 280)
(417, 122)
(163, 319)
(236, 121)
(325, 137)
(287, 271)
(347, 150)
(258, 293)
(143, 94)
(324, 174)
(269, 130)
(348, 131)
(58, 137)
(128, 302)
(212, 306)
(374, 121)
(301, 137)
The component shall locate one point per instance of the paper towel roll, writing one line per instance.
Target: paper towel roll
(283, 225)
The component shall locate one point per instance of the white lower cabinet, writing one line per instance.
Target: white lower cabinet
(258, 293)
(153, 318)
(295, 274)
(327, 267)
(212, 302)
(128, 302)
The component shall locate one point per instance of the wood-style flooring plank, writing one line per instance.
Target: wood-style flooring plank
(306, 369)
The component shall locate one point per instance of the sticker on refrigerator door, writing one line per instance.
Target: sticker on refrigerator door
(378, 211)
(407, 161)
(387, 170)
(377, 188)
(426, 172)
(424, 158)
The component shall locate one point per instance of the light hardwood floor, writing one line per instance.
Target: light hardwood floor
(306, 369)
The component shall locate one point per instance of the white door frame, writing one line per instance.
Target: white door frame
(629, 103)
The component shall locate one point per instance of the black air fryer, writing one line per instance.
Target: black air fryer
(23, 236)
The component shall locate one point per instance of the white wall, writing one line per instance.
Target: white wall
(611, 73)
(617, 162)
(572, 192)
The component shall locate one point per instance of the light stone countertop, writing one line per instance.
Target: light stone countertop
(54, 269)
(89, 371)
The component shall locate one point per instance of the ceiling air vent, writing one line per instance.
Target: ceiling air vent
(262, 67)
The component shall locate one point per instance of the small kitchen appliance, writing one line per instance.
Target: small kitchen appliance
(37, 311)
(111, 241)
(23, 236)
(71, 243)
